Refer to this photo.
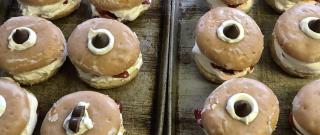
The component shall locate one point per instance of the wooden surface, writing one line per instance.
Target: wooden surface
(139, 97)
(190, 89)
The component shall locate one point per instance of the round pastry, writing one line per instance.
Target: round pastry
(228, 44)
(18, 109)
(295, 43)
(305, 110)
(244, 5)
(105, 52)
(122, 10)
(31, 49)
(49, 9)
(239, 106)
(283, 5)
(83, 113)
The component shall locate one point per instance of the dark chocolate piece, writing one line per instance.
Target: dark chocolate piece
(100, 41)
(20, 36)
(78, 111)
(74, 124)
(242, 108)
(315, 25)
(231, 31)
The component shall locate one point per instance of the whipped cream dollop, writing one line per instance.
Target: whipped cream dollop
(33, 117)
(248, 99)
(305, 28)
(43, 72)
(122, 129)
(31, 41)
(101, 81)
(131, 14)
(294, 63)
(48, 11)
(3, 105)
(125, 14)
(85, 123)
(100, 51)
(284, 5)
(205, 62)
(233, 24)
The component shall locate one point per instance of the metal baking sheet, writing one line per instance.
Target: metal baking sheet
(189, 89)
(143, 99)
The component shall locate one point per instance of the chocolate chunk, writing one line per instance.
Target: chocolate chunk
(20, 36)
(242, 108)
(78, 111)
(74, 124)
(231, 31)
(100, 41)
(315, 25)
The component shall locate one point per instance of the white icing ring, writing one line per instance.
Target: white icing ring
(243, 97)
(27, 44)
(100, 51)
(227, 23)
(304, 26)
(3, 105)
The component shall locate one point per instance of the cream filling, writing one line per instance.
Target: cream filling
(245, 97)
(299, 127)
(33, 102)
(284, 5)
(101, 80)
(125, 14)
(3, 105)
(47, 11)
(122, 129)
(38, 74)
(219, 3)
(206, 64)
(85, 124)
(293, 63)
(27, 44)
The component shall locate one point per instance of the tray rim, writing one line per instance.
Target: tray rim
(170, 110)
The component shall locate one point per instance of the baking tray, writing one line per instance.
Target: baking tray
(143, 99)
(188, 89)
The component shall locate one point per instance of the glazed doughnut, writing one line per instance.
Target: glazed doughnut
(295, 42)
(228, 44)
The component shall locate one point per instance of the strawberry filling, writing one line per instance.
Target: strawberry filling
(197, 115)
(125, 74)
(109, 15)
(227, 71)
